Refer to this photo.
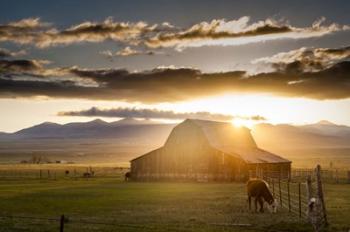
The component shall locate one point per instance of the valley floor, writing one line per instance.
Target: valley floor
(109, 204)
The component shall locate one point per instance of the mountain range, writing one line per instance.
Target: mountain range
(129, 138)
(127, 128)
(321, 134)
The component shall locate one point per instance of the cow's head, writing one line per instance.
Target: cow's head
(273, 205)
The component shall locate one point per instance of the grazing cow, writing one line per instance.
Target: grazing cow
(87, 174)
(127, 176)
(259, 189)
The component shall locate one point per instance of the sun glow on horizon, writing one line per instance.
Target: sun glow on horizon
(239, 122)
(276, 110)
(242, 108)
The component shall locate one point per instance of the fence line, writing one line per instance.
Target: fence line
(64, 172)
(332, 175)
(289, 195)
(303, 199)
(63, 220)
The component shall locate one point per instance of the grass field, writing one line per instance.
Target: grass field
(149, 206)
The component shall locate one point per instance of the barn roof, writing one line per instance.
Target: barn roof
(253, 155)
(236, 141)
(224, 134)
(148, 153)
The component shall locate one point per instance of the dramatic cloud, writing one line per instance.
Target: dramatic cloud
(33, 31)
(237, 32)
(21, 66)
(155, 114)
(23, 32)
(306, 59)
(128, 51)
(34, 71)
(217, 32)
(5, 53)
(295, 77)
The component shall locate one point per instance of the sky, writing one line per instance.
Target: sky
(242, 61)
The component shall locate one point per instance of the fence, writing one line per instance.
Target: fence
(63, 221)
(305, 199)
(290, 195)
(328, 175)
(53, 173)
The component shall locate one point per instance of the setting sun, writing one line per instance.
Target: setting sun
(238, 122)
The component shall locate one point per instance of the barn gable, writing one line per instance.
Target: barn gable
(216, 150)
(236, 141)
(224, 134)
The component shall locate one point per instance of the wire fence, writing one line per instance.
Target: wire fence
(66, 172)
(74, 172)
(67, 223)
(290, 195)
(332, 175)
(303, 198)
(62, 222)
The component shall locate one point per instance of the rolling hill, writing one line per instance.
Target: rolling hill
(285, 136)
(97, 129)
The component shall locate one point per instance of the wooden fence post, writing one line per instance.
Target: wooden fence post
(336, 176)
(273, 187)
(48, 174)
(62, 223)
(299, 188)
(309, 195)
(280, 191)
(40, 174)
(309, 188)
(320, 193)
(289, 206)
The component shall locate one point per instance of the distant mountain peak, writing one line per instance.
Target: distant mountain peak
(325, 122)
(98, 121)
(133, 121)
(45, 124)
(48, 123)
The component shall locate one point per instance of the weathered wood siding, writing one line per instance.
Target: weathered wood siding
(187, 155)
(272, 170)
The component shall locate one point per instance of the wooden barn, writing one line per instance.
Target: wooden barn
(208, 151)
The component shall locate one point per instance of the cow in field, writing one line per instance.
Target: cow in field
(259, 190)
(127, 176)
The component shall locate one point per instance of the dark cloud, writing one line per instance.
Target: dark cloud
(27, 72)
(306, 59)
(19, 78)
(11, 66)
(5, 53)
(154, 114)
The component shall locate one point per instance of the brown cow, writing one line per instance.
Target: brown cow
(259, 189)
(127, 176)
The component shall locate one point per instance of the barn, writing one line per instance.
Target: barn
(204, 150)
